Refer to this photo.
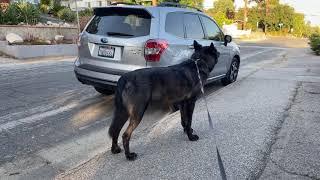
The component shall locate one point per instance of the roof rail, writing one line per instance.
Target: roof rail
(122, 3)
(172, 4)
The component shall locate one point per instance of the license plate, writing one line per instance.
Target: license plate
(106, 51)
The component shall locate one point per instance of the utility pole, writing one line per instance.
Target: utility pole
(245, 14)
(77, 11)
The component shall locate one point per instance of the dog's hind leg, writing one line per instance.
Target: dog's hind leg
(186, 117)
(136, 115)
(119, 119)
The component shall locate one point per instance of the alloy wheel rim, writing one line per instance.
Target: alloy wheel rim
(234, 71)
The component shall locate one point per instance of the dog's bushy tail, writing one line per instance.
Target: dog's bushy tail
(120, 115)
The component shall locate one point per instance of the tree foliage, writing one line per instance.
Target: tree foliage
(20, 12)
(192, 3)
(220, 11)
(314, 42)
(66, 14)
(277, 17)
(223, 6)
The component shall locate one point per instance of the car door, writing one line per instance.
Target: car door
(173, 32)
(181, 29)
(214, 35)
(193, 31)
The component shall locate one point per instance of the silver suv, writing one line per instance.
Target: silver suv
(119, 39)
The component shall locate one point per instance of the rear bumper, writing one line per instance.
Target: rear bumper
(96, 78)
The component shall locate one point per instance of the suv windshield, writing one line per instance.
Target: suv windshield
(124, 22)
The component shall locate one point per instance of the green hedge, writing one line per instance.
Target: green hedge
(67, 15)
(20, 12)
(314, 41)
(44, 8)
(86, 12)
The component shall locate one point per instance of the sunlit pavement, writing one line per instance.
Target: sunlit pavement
(50, 123)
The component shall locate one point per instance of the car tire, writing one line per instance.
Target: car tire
(104, 91)
(232, 72)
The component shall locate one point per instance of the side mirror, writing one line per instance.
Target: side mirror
(227, 39)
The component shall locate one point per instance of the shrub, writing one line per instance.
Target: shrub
(84, 17)
(4, 6)
(44, 2)
(314, 41)
(67, 15)
(20, 12)
(28, 12)
(83, 21)
(44, 8)
(54, 7)
(11, 16)
(86, 12)
(1, 14)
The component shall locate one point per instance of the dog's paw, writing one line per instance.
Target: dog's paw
(131, 156)
(115, 150)
(193, 137)
(185, 130)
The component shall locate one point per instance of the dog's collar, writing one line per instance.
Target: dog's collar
(196, 60)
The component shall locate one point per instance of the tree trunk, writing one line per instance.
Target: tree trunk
(267, 13)
(154, 2)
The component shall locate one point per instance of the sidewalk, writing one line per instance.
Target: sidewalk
(270, 115)
(296, 152)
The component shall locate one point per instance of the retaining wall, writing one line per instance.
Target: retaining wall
(32, 51)
(41, 32)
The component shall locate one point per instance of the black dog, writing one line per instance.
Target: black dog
(177, 84)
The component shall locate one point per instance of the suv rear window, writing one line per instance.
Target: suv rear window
(122, 22)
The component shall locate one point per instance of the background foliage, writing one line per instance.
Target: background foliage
(67, 15)
(220, 11)
(314, 41)
(276, 18)
(18, 12)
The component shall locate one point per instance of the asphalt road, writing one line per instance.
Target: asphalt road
(42, 105)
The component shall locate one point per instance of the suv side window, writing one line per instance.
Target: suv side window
(213, 31)
(174, 24)
(193, 26)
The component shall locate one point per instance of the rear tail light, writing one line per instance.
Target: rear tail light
(154, 48)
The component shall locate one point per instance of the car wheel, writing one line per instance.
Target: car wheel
(232, 73)
(104, 91)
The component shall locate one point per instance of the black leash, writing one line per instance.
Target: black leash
(220, 163)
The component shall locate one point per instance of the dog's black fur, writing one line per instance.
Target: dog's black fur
(177, 84)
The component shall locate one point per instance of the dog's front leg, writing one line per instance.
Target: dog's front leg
(186, 117)
(183, 114)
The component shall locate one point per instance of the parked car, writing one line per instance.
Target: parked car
(119, 39)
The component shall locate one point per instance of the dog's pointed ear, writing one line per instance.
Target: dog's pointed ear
(196, 45)
(212, 47)
(213, 50)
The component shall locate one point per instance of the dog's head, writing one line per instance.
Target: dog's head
(208, 54)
